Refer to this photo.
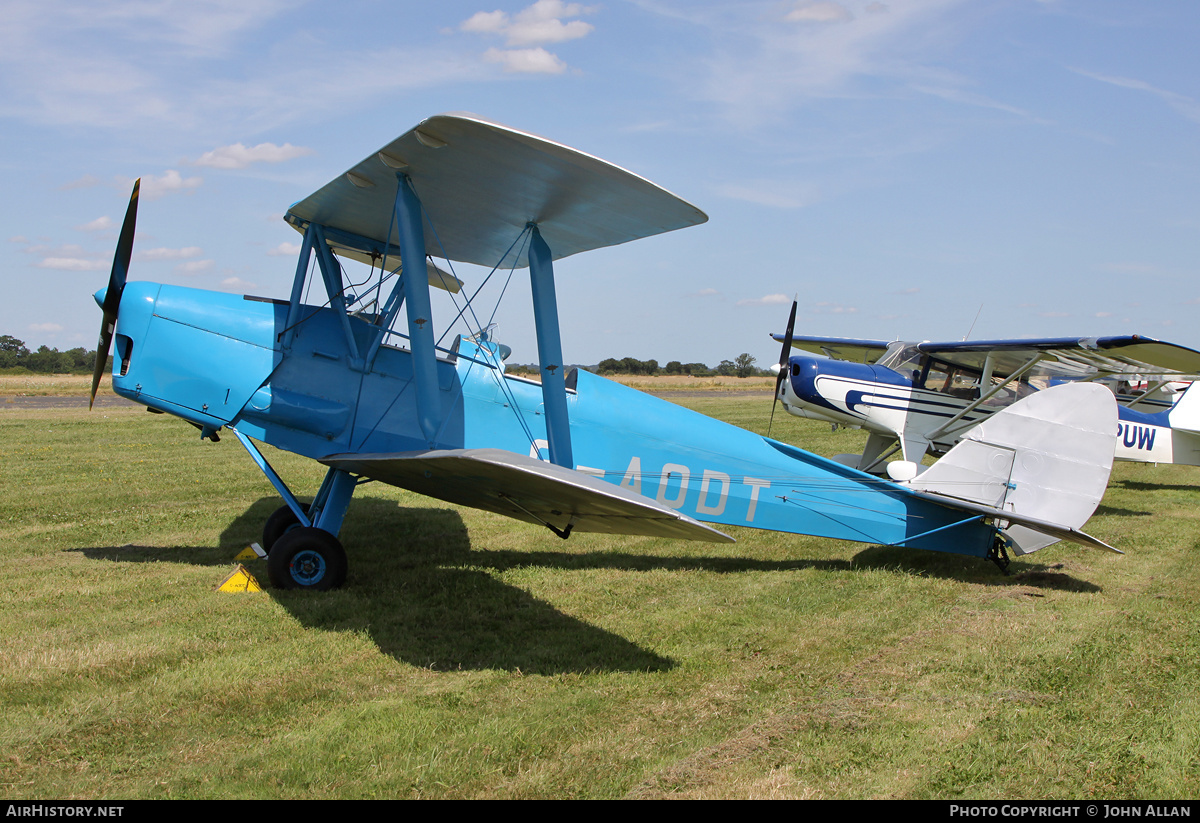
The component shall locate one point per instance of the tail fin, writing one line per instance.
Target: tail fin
(1045, 460)
(1185, 414)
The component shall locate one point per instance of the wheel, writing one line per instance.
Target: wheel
(307, 558)
(279, 522)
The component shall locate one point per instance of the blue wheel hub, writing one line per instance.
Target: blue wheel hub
(307, 567)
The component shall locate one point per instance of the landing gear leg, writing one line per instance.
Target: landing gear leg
(998, 555)
(303, 551)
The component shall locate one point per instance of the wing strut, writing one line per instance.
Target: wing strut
(411, 239)
(545, 320)
(1016, 375)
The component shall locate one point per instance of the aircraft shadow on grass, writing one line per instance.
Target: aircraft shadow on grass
(419, 590)
(1141, 485)
(1113, 511)
(414, 594)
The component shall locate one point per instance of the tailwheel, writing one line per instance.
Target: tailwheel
(280, 522)
(998, 555)
(307, 558)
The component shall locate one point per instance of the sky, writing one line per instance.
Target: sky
(907, 169)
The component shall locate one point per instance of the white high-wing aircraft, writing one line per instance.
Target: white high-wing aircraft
(924, 397)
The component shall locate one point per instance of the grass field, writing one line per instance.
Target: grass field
(473, 656)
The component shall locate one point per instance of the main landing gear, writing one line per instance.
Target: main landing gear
(303, 551)
(306, 557)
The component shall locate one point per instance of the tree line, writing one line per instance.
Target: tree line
(740, 366)
(14, 355)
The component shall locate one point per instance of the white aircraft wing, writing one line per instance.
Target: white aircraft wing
(840, 348)
(1072, 357)
(481, 183)
(1082, 356)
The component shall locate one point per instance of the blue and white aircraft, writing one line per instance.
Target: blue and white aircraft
(922, 397)
(360, 382)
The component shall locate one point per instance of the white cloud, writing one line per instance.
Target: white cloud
(544, 22)
(130, 66)
(285, 250)
(18, 238)
(168, 254)
(818, 11)
(486, 22)
(239, 156)
(833, 308)
(538, 24)
(237, 284)
(1186, 106)
(194, 266)
(73, 264)
(766, 300)
(169, 181)
(526, 61)
(85, 182)
(99, 224)
(952, 94)
(48, 328)
(816, 50)
(775, 194)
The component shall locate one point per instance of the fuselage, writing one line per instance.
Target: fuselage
(221, 360)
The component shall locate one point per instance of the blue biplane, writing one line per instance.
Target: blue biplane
(346, 382)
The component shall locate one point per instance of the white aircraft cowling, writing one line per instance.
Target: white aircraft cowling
(1047, 457)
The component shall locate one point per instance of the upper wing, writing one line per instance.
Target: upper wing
(1073, 357)
(482, 183)
(527, 489)
(840, 348)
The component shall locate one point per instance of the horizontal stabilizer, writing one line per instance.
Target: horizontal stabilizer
(1043, 527)
(1043, 463)
(526, 489)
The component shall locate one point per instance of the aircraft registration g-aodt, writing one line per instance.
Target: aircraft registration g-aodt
(360, 382)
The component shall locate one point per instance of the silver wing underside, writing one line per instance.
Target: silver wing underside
(526, 489)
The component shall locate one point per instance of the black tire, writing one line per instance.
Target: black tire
(280, 521)
(307, 558)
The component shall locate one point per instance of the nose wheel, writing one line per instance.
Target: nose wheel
(307, 558)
